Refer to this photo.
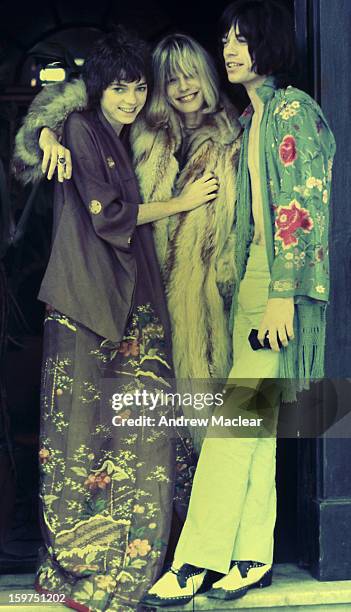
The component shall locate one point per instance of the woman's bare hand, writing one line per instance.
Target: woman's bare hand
(55, 156)
(199, 192)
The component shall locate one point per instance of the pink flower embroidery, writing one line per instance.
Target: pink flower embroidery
(287, 150)
(290, 218)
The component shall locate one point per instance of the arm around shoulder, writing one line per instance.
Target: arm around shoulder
(50, 108)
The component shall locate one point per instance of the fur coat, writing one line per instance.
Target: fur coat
(195, 249)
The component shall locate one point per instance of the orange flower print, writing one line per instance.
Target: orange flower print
(287, 150)
(138, 548)
(291, 218)
(44, 456)
(123, 415)
(97, 481)
(130, 347)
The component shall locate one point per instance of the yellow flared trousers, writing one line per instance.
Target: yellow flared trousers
(232, 509)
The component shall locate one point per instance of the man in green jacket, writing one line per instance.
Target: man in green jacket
(282, 260)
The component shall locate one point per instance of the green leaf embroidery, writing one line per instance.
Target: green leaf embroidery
(120, 474)
(49, 499)
(138, 563)
(80, 471)
(99, 595)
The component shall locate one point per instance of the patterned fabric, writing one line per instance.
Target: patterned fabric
(106, 491)
(296, 153)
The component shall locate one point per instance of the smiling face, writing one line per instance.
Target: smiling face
(185, 93)
(238, 62)
(122, 101)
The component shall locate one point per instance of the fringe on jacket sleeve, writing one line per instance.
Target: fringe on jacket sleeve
(50, 108)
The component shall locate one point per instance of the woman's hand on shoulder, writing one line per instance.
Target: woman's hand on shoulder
(199, 192)
(55, 156)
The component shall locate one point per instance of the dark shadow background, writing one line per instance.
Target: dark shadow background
(26, 33)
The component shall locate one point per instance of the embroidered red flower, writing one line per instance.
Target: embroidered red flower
(287, 150)
(291, 218)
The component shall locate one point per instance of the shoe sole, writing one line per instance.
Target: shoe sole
(224, 594)
(164, 603)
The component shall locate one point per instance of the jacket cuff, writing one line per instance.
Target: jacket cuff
(281, 289)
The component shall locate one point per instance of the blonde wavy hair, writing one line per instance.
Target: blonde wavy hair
(180, 53)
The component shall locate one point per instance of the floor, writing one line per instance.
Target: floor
(292, 589)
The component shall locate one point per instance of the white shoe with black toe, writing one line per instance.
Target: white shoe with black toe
(242, 576)
(176, 587)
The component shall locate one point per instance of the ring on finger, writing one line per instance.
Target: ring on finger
(62, 161)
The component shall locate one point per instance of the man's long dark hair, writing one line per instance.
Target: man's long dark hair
(118, 55)
(268, 28)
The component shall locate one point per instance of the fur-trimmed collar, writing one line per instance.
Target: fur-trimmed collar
(222, 128)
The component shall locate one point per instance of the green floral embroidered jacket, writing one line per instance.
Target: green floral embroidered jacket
(296, 156)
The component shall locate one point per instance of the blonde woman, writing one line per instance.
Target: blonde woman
(193, 130)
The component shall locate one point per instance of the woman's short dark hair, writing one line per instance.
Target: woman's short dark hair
(119, 55)
(268, 28)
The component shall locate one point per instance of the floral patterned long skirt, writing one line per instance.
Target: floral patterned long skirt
(106, 492)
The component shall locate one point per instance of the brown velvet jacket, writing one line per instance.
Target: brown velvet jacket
(91, 273)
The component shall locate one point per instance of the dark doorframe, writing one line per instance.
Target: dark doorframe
(324, 490)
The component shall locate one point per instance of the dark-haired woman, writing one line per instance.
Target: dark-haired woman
(106, 491)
